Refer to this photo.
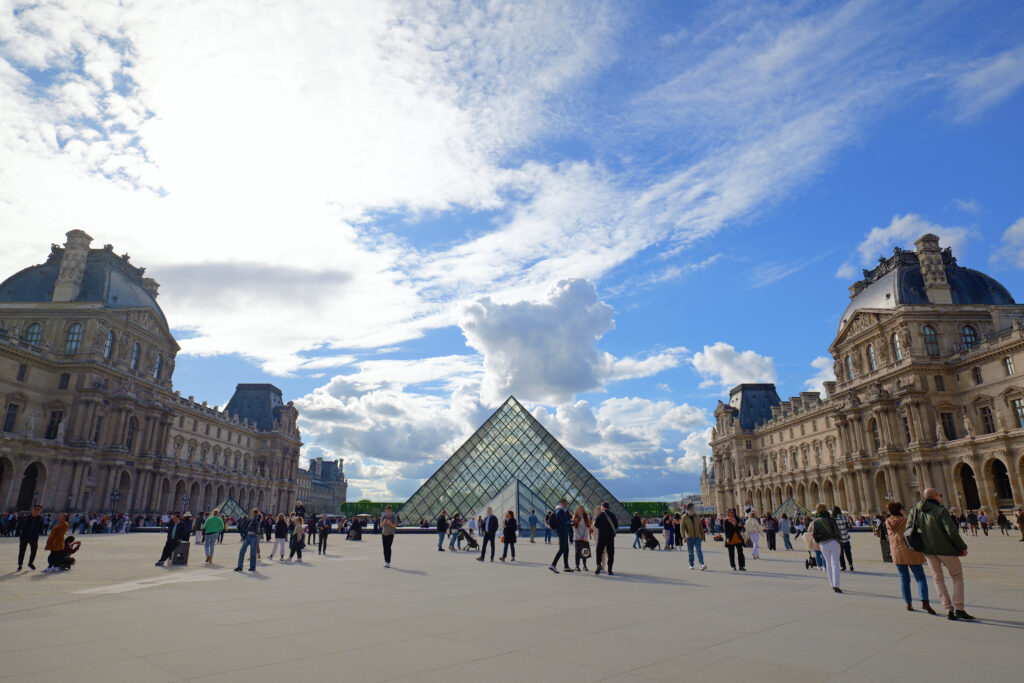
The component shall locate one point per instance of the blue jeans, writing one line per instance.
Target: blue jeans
(819, 558)
(210, 542)
(638, 543)
(456, 537)
(668, 540)
(785, 539)
(251, 542)
(547, 534)
(922, 583)
(691, 545)
(440, 540)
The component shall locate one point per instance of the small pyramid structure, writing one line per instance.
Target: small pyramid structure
(790, 507)
(230, 507)
(510, 463)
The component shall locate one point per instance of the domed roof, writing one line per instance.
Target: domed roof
(108, 279)
(897, 281)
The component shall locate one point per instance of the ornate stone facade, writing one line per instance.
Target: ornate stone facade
(91, 421)
(322, 487)
(927, 394)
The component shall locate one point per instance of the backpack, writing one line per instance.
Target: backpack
(243, 525)
(912, 535)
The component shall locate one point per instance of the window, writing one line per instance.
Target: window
(832, 451)
(749, 445)
(795, 462)
(73, 339)
(22, 371)
(948, 426)
(53, 426)
(99, 429)
(1008, 364)
(34, 334)
(968, 336)
(976, 374)
(1018, 412)
(872, 363)
(988, 425)
(108, 345)
(64, 381)
(873, 426)
(129, 439)
(897, 352)
(931, 340)
(195, 424)
(940, 383)
(849, 368)
(906, 429)
(181, 422)
(134, 364)
(817, 455)
(11, 417)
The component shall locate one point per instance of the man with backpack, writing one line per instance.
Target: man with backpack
(561, 522)
(942, 547)
(606, 524)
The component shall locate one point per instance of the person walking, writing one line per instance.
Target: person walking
(388, 525)
(251, 539)
(983, 522)
(442, 529)
(562, 522)
(815, 551)
(280, 537)
(298, 541)
(770, 526)
(785, 527)
(55, 543)
(212, 527)
(323, 528)
(1020, 523)
(635, 525)
(548, 527)
(488, 529)
(607, 526)
(508, 536)
(753, 528)
(691, 528)
(826, 534)
(668, 530)
(972, 522)
(533, 525)
(943, 547)
(1003, 523)
(177, 531)
(733, 538)
(845, 549)
(907, 560)
(454, 527)
(29, 528)
(581, 536)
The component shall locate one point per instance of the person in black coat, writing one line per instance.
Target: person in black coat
(508, 535)
(29, 528)
(323, 527)
(562, 523)
(606, 524)
(177, 531)
(489, 530)
(733, 529)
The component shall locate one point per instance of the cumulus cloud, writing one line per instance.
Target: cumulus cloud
(721, 365)
(824, 373)
(1011, 247)
(695, 447)
(902, 231)
(846, 271)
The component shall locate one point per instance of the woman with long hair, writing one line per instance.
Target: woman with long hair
(508, 535)
(280, 537)
(581, 534)
(388, 524)
(298, 538)
(733, 537)
(908, 561)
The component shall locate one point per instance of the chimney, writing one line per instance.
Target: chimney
(151, 286)
(934, 273)
(72, 266)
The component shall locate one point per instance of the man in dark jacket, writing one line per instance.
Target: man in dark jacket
(177, 531)
(606, 524)
(323, 528)
(635, 525)
(29, 528)
(489, 530)
(824, 530)
(942, 547)
(562, 522)
(442, 529)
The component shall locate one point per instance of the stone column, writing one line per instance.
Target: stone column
(1016, 486)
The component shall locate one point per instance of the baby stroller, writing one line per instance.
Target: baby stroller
(651, 541)
(812, 561)
(470, 542)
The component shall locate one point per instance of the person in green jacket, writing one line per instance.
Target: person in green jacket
(692, 530)
(825, 532)
(942, 547)
(212, 528)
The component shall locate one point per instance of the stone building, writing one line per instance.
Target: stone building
(927, 394)
(322, 487)
(91, 421)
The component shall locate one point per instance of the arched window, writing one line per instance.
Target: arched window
(73, 339)
(897, 352)
(849, 368)
(968, 336)
(931, 340)
(135, 356)
(34, 334)
(872, 363)
(873, 426)
(157, 365)
(108, 345)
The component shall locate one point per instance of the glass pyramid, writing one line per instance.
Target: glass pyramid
(511, 453)
(517, 497)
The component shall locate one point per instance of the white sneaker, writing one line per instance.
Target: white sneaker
(387, 565)
(703, 567)
(691, 566)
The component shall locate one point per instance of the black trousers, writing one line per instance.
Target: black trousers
(169, 547)
(579, 555)
(488, 538)
(32, 543)
(387, 540)
(845, 555)
(606, 545)
(323, 543)
(733, 551)
(563, 549)
(770, 537)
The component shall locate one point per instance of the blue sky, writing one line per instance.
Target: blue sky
(402, 213)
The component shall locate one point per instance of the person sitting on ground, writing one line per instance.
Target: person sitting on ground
(55, 543)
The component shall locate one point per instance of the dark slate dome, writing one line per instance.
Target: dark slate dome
(108, 279)
(897, 281)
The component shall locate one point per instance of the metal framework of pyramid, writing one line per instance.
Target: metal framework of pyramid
(510, 456)
(790, 507)
(231, 507)
(518, 498)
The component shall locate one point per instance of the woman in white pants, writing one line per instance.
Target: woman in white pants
(753, 528)
(826, 533)
(280, 537)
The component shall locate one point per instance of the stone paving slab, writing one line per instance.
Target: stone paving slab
(445, 617)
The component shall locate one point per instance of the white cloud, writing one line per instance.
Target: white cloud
(1011, 247)
(968, 205)
(723, 366)
(823, 366)
(987, 83)
(846, 271)
(768, 273)
(902, 231)
(695, 446)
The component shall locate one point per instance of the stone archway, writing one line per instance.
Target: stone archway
(32, 480)
(970, 498)
(219, 498)
(1000, 478)
(163, 500)
(194, 500)
(124, 489)
(179, 496)
(789, 490)
(208, 501)
(882, 489)
(844, 503)
(801, 494)
(759, 506)
(7, 480)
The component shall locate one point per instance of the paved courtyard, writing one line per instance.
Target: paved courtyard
(446, 617)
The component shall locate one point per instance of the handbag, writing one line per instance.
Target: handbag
(584, 549)
(717, 537)
(912, 535)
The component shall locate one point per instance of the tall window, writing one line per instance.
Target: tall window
(53, 426)
(129, 439)
(988, 425)
(22, 372)
(940, 383)
(11, 417)
(98, 430)
(906, 429)
(976, 374)
(872, 363)
(897, 352)
(156, 366)
(108, 345)
(1008, 364)
(1018, 412)
(931, 340)
(73, 339)
(948, 425)
(968, 336)
(135, 356)
(849, 368)
(64, 381)
(875, 439)
(34, 334)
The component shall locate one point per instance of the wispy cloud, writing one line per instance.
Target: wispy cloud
(986, 83)
(765, 274)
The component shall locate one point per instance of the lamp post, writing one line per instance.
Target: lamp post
(115, 496)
